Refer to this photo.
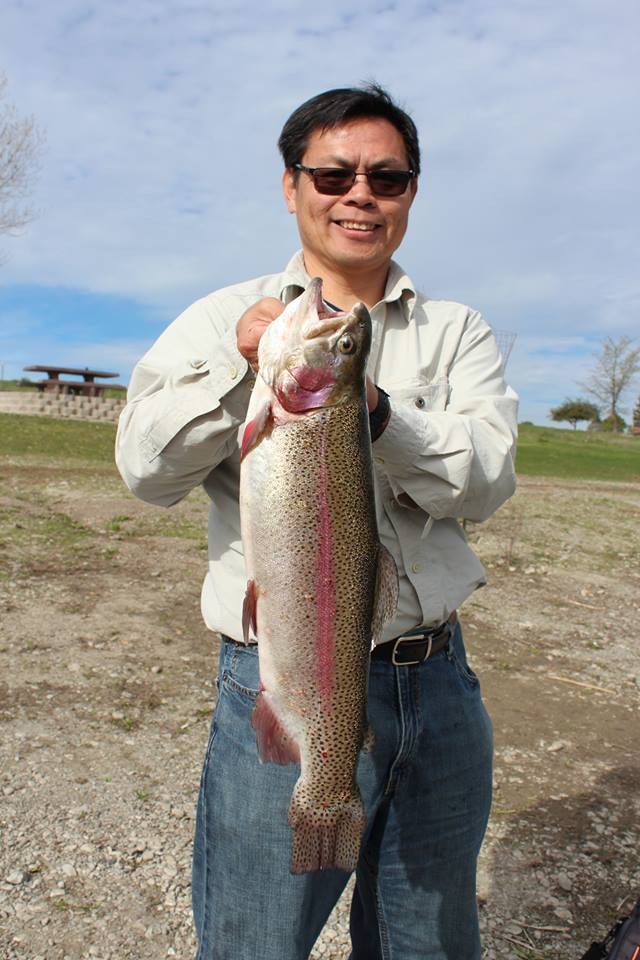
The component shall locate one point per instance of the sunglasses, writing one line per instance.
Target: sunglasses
(335, 181)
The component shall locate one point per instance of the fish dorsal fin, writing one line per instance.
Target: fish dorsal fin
(386, 598)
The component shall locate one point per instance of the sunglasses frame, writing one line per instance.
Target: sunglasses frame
(314, 172)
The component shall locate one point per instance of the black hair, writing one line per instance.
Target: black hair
(336, 107)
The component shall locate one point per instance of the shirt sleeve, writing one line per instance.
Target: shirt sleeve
(460, 461)
(187, 398)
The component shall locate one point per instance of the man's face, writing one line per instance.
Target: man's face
(357, 231)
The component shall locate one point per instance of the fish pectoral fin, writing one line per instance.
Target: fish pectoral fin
(325, 837)
(257, 429)
(386, 598)
(275, 743)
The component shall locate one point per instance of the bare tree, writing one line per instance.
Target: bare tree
(20, 147)
(616, 366)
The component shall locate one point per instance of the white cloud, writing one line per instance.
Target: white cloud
(161, 173)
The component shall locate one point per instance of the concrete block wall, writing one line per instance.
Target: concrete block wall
(63, 406)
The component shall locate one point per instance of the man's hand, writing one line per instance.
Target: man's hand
(252, 324)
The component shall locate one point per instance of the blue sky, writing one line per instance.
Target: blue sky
(160, 175)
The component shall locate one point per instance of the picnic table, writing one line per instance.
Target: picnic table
(86, 387)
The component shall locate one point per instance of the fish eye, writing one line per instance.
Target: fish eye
(347, 344)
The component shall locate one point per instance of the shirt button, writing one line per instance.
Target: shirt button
(233, 372)
(392, 504)
(417, 567)
(419, 402)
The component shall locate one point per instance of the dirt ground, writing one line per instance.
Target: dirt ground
(106, 690)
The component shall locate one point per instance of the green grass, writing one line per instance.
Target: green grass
(542, 451)
(49, 438)
(24, 385)
(577, 454)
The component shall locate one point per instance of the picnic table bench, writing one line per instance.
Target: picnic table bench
(86, 387)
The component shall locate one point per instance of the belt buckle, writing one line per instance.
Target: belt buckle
(411, 663)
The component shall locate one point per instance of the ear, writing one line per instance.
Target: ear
(289, 190)
(413, 187)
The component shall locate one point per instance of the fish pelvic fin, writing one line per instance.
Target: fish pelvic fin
(257, 429)
(249, 610)
(386, 597)
(325, 838)
(275, 743)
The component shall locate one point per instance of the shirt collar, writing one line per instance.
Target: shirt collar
(399, 287)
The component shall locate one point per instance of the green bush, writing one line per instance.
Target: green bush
(609, 425)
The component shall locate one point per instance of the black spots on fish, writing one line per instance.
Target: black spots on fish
(317, 520)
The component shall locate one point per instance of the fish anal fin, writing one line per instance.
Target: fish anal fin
(325, 838)
(275, 743)
(257, 429)
(386, 598)
(249, 610)
(369, 741)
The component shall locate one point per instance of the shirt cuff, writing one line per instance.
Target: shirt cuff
(378, 418)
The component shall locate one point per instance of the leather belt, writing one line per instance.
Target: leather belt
(412, 649)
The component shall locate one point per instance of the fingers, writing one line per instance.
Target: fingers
(372, 395)
(252, 324)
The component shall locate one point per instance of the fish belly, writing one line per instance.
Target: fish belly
(311, 547)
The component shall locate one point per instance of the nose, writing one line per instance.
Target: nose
(360, 191)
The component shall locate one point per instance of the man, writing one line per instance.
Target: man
(443, 424)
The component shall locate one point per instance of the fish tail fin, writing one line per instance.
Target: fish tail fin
(325, 838)
(275, 743)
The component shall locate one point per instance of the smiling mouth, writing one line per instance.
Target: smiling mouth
(357, 225)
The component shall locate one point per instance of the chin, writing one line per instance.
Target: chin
(362, 258)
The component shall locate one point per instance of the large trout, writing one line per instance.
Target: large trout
(320, 584)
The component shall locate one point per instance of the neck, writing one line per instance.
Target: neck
(343, 288)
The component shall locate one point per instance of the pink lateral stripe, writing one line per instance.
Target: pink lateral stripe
(325, 594)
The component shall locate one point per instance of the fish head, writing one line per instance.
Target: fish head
(313, 357)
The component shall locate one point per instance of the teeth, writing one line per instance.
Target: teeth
(354, 225)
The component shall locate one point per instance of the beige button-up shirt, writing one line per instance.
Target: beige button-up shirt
(447, 452)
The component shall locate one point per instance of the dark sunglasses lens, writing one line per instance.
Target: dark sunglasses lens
(389, 183)
(332, 182)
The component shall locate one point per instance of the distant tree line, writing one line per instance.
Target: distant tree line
(616, 367)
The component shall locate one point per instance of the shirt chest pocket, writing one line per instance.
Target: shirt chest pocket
(430, 397)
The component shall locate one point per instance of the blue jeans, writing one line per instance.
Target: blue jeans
(426, 787)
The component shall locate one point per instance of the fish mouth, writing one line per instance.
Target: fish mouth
(308, 379)
(326, 320)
